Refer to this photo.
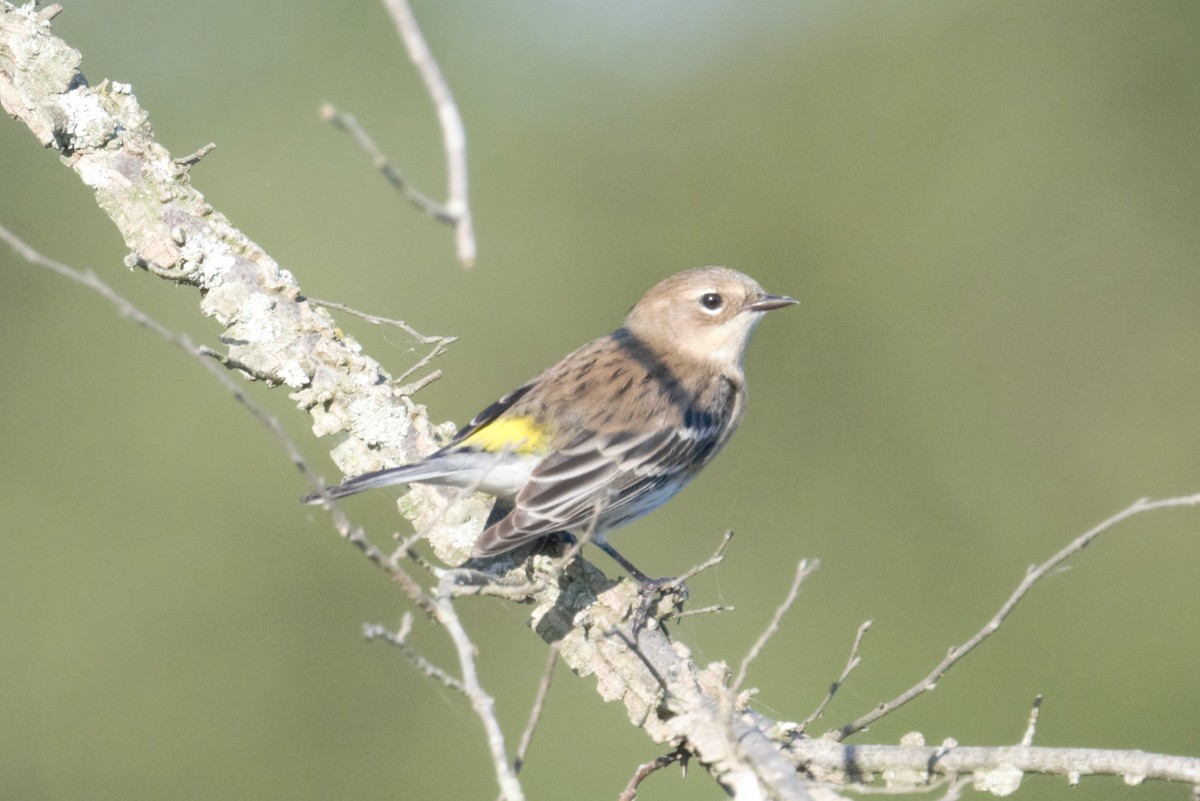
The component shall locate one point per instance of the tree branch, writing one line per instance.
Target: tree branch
(827, 760)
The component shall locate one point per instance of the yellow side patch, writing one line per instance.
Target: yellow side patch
(512, 434)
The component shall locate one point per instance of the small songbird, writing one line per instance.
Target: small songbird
(612, 431)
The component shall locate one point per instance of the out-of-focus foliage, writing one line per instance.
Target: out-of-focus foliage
(989, 211)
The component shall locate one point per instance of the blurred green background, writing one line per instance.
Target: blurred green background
(991, 214)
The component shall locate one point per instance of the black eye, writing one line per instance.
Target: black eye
(712, 301)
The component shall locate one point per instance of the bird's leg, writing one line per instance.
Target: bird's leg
(640, 577)
(649, 589)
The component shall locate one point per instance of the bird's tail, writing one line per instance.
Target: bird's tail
(432, 471)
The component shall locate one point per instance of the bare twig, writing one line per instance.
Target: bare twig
(454, 137)
(1032, 575)
(355, 536)
(715, 609)
(399, 641)
(440, 343)
(456, 211)
(803, 571)
(539, 703)
(182, 341)
(712, 561)
(483, 704)
(194, 158)
(350, 124)
(406, 549)
(955, 790)
(851, 663)
(408, 390)
(424, 339)
(1031, 727)
(645, 770)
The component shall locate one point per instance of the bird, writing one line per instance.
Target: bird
(613, 430)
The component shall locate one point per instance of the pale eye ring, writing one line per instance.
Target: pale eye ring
(711, 301)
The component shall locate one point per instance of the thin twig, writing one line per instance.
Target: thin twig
(643, 772)
(440, 343)
(456, 211)
(483, 704)
(202, 354)
(182, 341)
(399, 641)
(389, 564)
(955, 790)
(406, 549)
(851, 663)
(355, 536)
(408, 390)
(897, 788)
(712, 561)
(715, 609)
(350, 124)
(539, 703)
(454, 137)
(194, 158)
(1031, 727)
(424, 339)
(803, 571)
(1032, 575)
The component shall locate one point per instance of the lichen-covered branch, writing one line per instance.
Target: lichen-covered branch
(995, 768)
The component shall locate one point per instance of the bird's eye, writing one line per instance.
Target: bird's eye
(711, 301)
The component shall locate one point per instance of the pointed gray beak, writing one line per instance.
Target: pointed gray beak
(769, 302)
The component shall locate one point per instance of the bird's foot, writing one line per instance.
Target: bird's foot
(663, 596)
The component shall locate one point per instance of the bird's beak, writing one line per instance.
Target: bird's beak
(769, 302)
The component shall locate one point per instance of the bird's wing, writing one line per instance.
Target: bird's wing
(489, 415)
(601, 473)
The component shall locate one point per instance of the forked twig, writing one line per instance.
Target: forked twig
(399, 640)
(483, 704)
(456, 211)
(440, 344)
(1032, 575)
(424, 339)
(454, 137)
(350, 124)
(851, 663)
(645, 770)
